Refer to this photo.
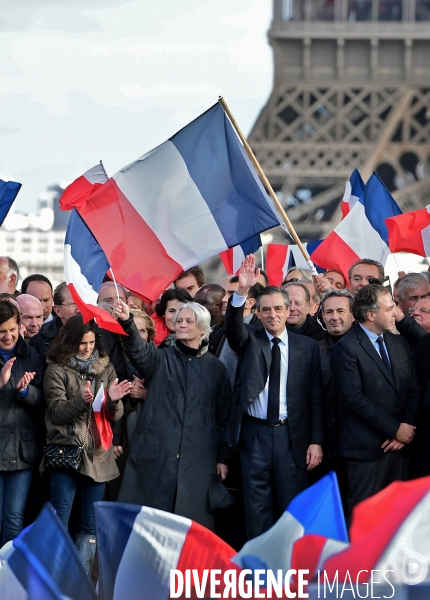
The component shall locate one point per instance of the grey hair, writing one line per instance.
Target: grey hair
(203, 317)
(337, 294)
(305, 273)
(301, 285)
(269, 291)
(410, 281)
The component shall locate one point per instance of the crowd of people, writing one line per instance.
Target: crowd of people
(221, 402)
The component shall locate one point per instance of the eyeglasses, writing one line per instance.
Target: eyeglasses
(421, 309)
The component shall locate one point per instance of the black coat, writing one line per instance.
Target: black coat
(178, 438)
(310, 328)
(22, 427)
(304, 394)
(372, 403)
(331, 403)
(42, 341)
(410, 330)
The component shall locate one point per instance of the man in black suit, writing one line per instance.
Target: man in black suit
(379, 395)
(277, 415)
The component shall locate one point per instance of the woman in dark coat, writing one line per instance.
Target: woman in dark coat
(21, 421)
(177, 447)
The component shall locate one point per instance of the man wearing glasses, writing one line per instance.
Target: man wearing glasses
(421, 313)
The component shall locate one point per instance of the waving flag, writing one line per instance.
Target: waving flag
(362, 233)
(232, 258)
(354, 190)
(78, 192)
(44, 564)
(139, 546)
(8, 192)
(410, 232)
(281, 257)
(389, 531)
(190, 198)
(85, 266)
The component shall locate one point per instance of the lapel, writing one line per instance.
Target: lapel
(368, 347)
(394, 356)
(294, 357)
(264, 343)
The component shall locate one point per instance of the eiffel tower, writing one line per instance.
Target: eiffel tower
(351, 89)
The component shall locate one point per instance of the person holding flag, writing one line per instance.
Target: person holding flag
(77, 374)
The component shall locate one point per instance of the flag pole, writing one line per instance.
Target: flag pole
(268, 187)
(114, 282)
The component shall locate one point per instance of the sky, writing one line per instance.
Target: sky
(89, 80)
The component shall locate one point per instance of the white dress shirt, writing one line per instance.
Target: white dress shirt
(258, 408)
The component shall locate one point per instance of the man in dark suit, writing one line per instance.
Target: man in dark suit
(277, 415)
(379, 395)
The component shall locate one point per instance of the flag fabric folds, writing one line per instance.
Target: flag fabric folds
(362, 233)
(138, 547)
(8, 192)
(354, 190)
(232, 258)
(78, 192)
(281, 257)
(102, 422)
(190, 198)
(410, 232)
(46, 564)
(85, 265)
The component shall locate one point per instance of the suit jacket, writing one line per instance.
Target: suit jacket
(304, 394)
(373, 402)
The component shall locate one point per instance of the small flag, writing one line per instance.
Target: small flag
(410, 232)
(281, 257)
(103, 424)
(232, 258)
(354, 190)
(85, 266)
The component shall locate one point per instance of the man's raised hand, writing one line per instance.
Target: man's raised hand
(248, 275)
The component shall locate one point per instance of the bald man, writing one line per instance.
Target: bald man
(210, 296)
(31, 313)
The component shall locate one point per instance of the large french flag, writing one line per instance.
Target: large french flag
(138, 546)
(410, 232)
(354, 190)
(8, 192)
(281, 257)
(232, 258)
(362, 233)
(77, 193)
(85, 265)
(191, 198)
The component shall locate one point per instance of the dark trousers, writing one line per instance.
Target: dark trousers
(63, 490)
(271, 478)
(368, 477)
(14, 486)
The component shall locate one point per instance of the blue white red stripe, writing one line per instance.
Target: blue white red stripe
(281, 257)
(362, 233)
(187, 200)
(354, 191)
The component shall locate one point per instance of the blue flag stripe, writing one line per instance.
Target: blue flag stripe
(8, 192)
(379, 204)
(215, 162)
(86, 251)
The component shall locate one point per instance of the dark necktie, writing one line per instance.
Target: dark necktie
(380, 341)
(274, 383)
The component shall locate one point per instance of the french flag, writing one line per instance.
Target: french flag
(232, 258)
(281, 257)
(85, 266)
(362, 233)
(77, 193)
(410, 232)
(354, 190)
(138, 547)
(187, 200)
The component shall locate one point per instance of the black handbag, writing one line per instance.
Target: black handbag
(65, 458)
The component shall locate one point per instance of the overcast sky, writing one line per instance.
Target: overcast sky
(84, 80)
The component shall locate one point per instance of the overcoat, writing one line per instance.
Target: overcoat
(21, 419)
(178, 438)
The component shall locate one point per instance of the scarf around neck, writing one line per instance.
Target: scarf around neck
(85, 366)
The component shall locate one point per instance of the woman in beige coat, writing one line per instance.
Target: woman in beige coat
(77, 368)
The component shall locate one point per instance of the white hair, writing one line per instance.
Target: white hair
(203, 317)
